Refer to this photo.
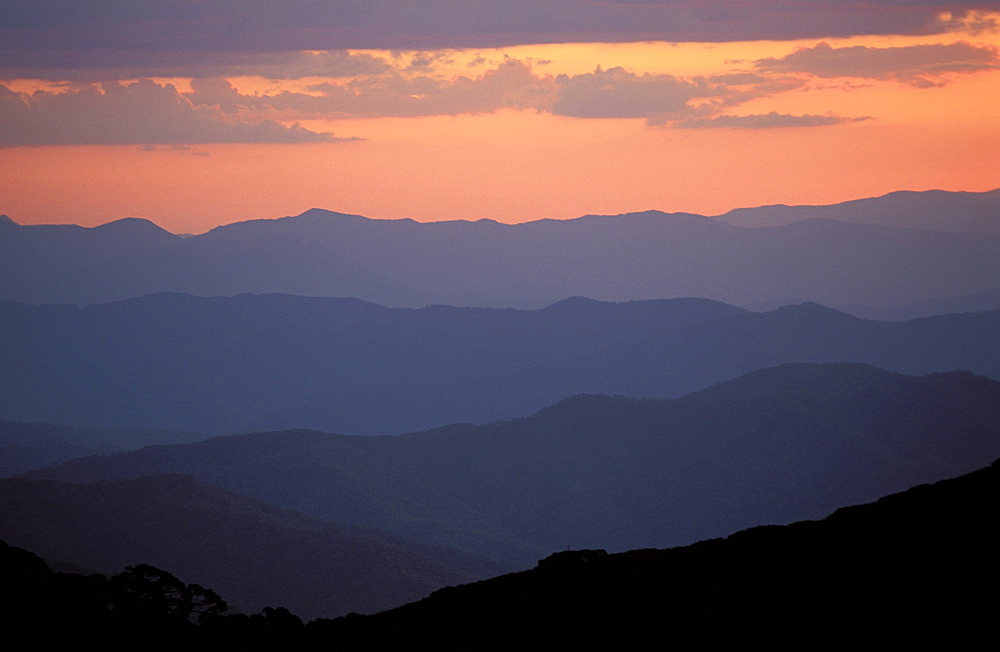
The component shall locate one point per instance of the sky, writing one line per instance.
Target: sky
(195, 113)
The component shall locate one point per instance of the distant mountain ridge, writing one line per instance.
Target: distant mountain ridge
(935, 210)
(633, 256)
(275, 362)
(777, 445)
(26, 446)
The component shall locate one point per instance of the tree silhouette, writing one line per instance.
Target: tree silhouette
(151, 593)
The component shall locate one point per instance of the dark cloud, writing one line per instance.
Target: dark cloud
(118, 33)
(618, 93)
(426, 59)
(187, 149)
(658, 98)
(770, 120)
(216, 111)
(919, 65)
(510, 85)
(739, 79)
(283, 65)
(139, 113)
(613, 93)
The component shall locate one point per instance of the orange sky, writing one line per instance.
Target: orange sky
(902, 128)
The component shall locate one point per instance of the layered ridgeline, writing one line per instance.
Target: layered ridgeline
(810, 256)
(253, 363)
(26, 446)
(912, 570)
(933, 210)
(780, 444)
(254, 554)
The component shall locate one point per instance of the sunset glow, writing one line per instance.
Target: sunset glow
(514, 134)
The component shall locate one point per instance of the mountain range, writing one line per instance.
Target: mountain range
(252, 363)
(868, 261)
(773, 446)
(653, 421)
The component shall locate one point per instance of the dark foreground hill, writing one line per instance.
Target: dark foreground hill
(273, 362)
(254, 554)
(484, 263)
(774, 446)
(915, 570)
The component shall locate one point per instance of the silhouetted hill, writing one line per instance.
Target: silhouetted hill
(31, 257)
(633, 256)
(252, 363)
(934, 210)
(254, 554)
(913, 570)
(777, 445)
(142, 607)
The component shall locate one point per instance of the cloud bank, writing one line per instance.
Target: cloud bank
(117, 33)
(89, 103)
(614, 93)
(764, 121)
(141, 113)
(617, 93)
(917, 65)
(215, 111)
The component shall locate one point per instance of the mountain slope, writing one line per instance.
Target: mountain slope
(254, 554)
(911, 570)
(774, 446)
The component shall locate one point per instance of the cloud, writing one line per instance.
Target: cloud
(281, 65)
(117, 33)
(618, 93)
(140, 113)
(658, 98)
(407, 85)
(918, 65)
(187, 149)
(424, 59)
(512, 84)
(612, 93)
(739, 79)
(764, 121)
